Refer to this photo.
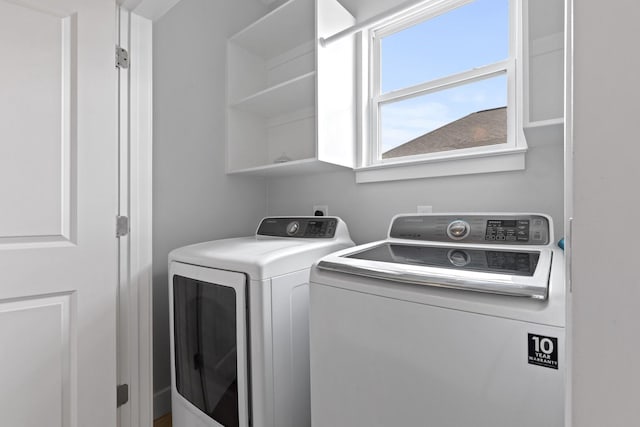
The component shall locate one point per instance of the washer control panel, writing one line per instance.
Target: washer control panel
(300, 227)
(509, 229)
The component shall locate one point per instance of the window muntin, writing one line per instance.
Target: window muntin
(460, 117)
(401, 88)
(446, 44)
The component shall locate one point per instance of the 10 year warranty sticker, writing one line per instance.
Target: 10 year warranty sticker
(543, 351)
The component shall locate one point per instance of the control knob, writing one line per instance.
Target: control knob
(293, 227)
(458, 229)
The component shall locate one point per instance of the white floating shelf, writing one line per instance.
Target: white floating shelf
(545, 131)
(274, 75)
(294, 167)
(295, 94)
(266, 37)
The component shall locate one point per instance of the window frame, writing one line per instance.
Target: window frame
(492, 158)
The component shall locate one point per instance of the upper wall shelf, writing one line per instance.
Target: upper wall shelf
(283, 98)
(291, 101)
(279, 31)
(544, 70)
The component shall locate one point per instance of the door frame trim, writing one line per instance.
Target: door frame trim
(141, 204)
(135, 315)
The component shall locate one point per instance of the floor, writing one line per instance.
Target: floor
(164, 421)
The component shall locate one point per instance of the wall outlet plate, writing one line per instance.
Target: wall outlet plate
(320, 208)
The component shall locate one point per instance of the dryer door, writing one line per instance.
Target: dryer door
(208, 354)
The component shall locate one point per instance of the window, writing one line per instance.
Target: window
(442, 87)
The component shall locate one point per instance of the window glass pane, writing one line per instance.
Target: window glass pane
(465, 116)
(470, 36)
(205, 338)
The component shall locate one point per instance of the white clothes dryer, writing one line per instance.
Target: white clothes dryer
(455, 320)
(239, 324)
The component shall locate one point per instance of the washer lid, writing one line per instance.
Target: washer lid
(504, 270)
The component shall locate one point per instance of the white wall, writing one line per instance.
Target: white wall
(368, 208)
(193, 199)
(606, 202)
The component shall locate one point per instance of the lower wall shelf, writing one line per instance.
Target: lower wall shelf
(547, 131)
(294, 167)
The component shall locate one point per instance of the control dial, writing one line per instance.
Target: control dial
(458, 229)
(293, 227)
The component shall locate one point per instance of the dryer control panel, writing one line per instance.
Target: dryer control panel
(300, 227)
(505, 229)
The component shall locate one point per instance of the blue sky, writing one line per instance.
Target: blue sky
(471, 36)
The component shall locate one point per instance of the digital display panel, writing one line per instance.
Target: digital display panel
(507, 230)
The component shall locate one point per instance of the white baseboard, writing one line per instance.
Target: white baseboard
(161, 402)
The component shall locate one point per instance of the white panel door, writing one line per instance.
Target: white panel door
(58, 164)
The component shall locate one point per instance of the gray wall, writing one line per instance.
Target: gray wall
(367, 208)
(193, 199)
(604, 269)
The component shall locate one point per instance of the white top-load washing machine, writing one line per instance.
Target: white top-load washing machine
(239, 324)
(455, 320)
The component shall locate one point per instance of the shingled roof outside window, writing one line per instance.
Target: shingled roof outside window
(487, 127)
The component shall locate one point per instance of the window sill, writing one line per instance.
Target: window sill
(496, 161)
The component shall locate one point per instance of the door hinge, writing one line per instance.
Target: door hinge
(122, 226)
(122, 58)
(122, 394)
